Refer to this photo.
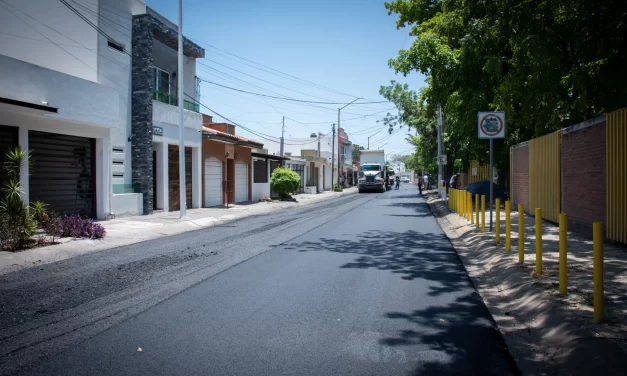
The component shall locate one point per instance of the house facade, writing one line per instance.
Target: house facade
(65, 97)
(227, 174)
(155, 117)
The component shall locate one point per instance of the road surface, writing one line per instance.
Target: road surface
(365, 285)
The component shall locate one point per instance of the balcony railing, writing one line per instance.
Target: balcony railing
(172, 99)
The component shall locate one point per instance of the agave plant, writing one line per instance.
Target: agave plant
(17, 224)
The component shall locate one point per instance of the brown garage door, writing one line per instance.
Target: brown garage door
(174, 179)
(62, 172)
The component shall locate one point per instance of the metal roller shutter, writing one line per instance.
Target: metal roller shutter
(62, 172)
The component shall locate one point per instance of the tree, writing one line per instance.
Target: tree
(357, 152)
(548, 64)
(284, 181)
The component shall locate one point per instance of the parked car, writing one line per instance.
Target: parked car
(483, 188)
(405, 179)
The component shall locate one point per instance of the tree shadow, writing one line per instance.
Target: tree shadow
(462, 339)
(421, 208)
(410, 254)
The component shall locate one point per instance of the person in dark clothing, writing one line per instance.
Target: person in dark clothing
(420, 186)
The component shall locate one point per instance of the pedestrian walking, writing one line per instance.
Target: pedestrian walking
(420, 186)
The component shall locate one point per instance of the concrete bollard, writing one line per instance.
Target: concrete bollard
(477, 208)
(539, 240)
(597, 240)
(521, 233)
(508, 227)
(497, 223)
(482, 213)
(563, 248)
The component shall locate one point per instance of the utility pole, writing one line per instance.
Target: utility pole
(440, 147)
(332, 155)
(182, 193)
(338, 141)
(368, 148)
(282, 133)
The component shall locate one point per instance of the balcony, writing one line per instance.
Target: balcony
(164, 113)
(172, 100)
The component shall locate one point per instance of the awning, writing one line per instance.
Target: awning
(270, 156)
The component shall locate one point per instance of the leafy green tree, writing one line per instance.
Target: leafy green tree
(284, 181)
(357, 152)
(547, 63)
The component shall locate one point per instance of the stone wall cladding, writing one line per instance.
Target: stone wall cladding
(584, 177)
(520, 176)
(141, 117)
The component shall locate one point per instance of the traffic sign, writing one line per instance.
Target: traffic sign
(474, 171)
(442, 159)
(491, 124)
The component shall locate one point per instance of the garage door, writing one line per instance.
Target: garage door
(241, 182)
(213, 182)
(62, 174)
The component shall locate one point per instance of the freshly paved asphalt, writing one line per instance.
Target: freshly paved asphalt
(371, 287)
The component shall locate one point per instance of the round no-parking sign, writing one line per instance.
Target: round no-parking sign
(491, 124)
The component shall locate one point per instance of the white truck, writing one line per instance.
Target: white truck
(373, 175)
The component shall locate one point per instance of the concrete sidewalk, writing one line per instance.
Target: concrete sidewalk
(547, 333)
(129, 230)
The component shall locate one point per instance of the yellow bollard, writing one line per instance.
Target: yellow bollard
(508, 227)
(597, 240)
(521, 233)
(563, 246)
(470, 216)
(497, 223)
(539, 240)
(477, 208)
(482, 213)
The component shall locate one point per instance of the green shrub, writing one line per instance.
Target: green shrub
(17, 224)
(284, 181)
(338, 188)
(39, 211)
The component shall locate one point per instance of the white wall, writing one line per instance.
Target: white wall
(127, 204)
(260, 190)
(33, 39)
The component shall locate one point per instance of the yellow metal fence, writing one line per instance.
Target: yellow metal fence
(616, 172)
(545, 175)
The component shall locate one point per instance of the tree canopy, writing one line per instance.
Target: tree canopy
(547, 63)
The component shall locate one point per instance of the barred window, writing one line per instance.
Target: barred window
(261, 171)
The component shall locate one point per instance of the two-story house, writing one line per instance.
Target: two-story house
(155, 114)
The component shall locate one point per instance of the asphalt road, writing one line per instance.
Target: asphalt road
(365, 285)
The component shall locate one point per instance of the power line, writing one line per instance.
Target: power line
(282, 98)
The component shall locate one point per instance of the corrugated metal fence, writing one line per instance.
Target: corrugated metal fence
(616, 162)
(545, 175)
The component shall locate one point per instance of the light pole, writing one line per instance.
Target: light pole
(182, 192)
(338, 140)
(333, 155)
(369, 139)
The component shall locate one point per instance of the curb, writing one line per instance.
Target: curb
(542, 335)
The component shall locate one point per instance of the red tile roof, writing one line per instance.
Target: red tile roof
(216, 135)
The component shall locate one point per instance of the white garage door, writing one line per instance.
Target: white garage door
(213, 182)
(241, 182)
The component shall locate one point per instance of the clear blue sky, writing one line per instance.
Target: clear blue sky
(342, 45)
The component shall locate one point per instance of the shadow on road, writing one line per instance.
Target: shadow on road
(460, 336)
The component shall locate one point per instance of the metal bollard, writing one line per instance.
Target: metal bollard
(521, 233)
(597, 239)
(497, 224)
(539, 240)
(482, 213)
(477, 207)
(508, 227)
(470, 211)
(563, 247)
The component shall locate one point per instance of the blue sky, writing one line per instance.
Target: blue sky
(343, 45)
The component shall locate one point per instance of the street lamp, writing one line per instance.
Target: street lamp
(338, 140)
(371, 136)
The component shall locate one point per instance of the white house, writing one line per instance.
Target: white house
(65, 96)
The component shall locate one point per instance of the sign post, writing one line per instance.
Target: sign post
(491, 125)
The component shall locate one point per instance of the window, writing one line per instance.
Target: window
(161, 85)
(116, 46)
(260, 168)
